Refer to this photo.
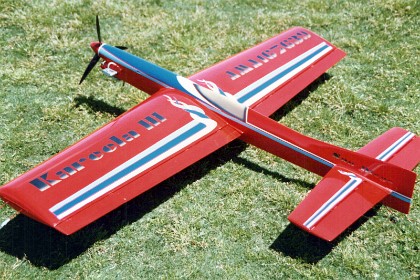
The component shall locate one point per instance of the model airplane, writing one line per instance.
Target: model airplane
(185, 119)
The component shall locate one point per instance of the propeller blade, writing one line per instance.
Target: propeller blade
(90, 66)
(96, 47)
(98, 29)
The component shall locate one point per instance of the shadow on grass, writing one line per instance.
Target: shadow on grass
(45, 247)
(299, 98)
(98, 105)
(299, 244)
(274, 174)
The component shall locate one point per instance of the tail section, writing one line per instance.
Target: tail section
(344, 194)
(397, 146)
(402, 148)
(336, 202)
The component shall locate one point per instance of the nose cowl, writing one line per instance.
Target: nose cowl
(95, 46)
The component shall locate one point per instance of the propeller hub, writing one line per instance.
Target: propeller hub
(95, 46)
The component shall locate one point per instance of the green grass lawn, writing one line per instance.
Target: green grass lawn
(225, 217)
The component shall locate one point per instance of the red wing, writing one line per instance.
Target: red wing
(121, 160)
(336, 203)
(268, 75)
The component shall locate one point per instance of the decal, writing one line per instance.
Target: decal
(198, 127)
(49, 178)
(267, 55)
(152, 121)
(213, 87)
(339, 196)
(257, 90)
(52, 178)
(391, 150)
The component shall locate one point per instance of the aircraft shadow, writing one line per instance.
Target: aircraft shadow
(43, 246)
(97, 105)
(299, 98)
(298, 244)
(276, 175)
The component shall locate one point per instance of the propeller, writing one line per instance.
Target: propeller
(96, 57)
(90, 66)
(98, 29)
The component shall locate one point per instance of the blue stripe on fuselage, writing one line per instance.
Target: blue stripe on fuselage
(169, 79)
(140, 66)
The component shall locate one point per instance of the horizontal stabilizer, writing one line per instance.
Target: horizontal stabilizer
(397, 146)
(336, 203)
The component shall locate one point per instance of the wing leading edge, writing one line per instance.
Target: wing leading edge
(123, 159)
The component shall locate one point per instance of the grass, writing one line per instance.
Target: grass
(224, 217)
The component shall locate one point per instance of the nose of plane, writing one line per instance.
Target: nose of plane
(95, 46)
